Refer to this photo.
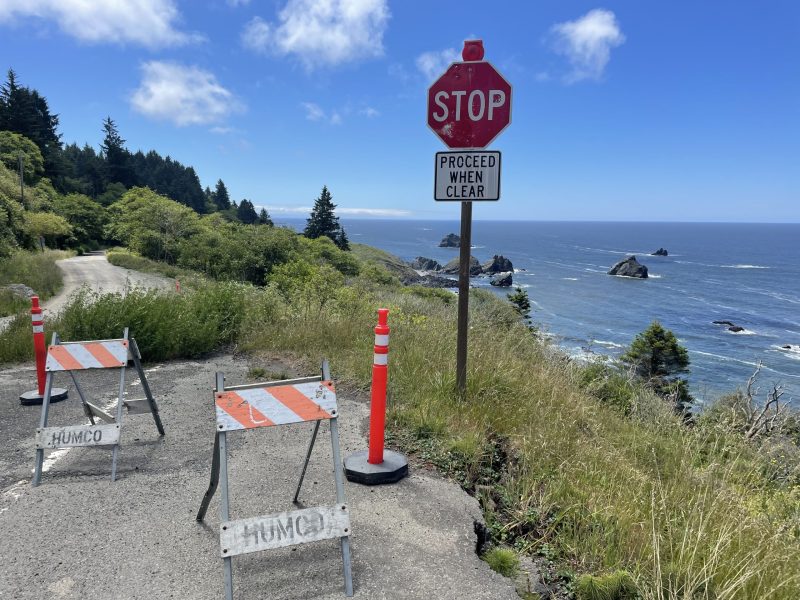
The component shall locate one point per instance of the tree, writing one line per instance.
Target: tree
(324, 222)
(246, 212)
(117, 167)
(656, 356)
(264, 218)
(51, 227)
(521, 302)
(12, 145)
(221, 197)
(86, 217)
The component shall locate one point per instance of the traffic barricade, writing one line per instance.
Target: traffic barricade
(272, 404)
(79, 356)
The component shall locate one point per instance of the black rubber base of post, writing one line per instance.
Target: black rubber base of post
(358, 470)
(33, 397)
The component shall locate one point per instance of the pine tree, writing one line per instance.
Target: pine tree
(246, 212)
(656, 356)
(117, 158)
(221, 197)
(324, 222)
(264, 218)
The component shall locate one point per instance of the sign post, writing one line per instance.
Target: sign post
(468, 106)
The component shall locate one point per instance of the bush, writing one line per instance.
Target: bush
(36, 270)
(614, 586)
(503, 560)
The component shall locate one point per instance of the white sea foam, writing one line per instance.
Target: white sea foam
(570, 278)
(607, 344)
(653, 276)
(744, 267)
(743, 332)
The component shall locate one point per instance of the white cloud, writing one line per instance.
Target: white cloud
(432, 64)
(322, 32)
(184, 95)
(362, 212)
(587, 43)
(369, 112)
(149, 23)
(314, 112)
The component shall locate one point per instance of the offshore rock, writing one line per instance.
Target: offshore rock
(425, 264)
(630, 267)
(474, 266)
(660, 252)
(451, 240)
(503, 279)
(498, 264)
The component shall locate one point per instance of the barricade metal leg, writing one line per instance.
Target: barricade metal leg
(86, 409)
(137, 362)
(338, 476)
(212, 487)
(120, 399)
(224, 509)
(48, 387)
(305, 464)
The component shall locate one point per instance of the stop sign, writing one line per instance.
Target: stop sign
(469, 105)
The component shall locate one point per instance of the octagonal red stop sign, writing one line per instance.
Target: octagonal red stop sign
(469, 105)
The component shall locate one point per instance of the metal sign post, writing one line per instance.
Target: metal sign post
(78, 356)
(468, 106)
(272, 404)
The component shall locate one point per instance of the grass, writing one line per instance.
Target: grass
(130, 260)
(503, 560)
(561, 469)
(37, 270)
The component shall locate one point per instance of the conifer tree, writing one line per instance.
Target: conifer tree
(246, 212)
(264, 218)
(324, 222)
(656, 356)
(221, 197)
(118, 167)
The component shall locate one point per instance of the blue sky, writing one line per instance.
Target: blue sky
(625, 110)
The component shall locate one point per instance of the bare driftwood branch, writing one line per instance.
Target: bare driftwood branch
(765, 420)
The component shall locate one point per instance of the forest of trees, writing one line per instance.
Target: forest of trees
(67, 191)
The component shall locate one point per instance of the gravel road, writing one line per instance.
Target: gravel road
(80, 536)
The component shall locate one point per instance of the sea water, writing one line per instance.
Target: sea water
(748, 274)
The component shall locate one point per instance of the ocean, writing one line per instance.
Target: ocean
(748, 274)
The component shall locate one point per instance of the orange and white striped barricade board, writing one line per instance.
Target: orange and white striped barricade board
(273, 404)
(80, 356)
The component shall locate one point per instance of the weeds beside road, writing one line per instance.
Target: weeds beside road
(560, 471)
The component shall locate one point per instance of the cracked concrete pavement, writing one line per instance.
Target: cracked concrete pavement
(80, 536)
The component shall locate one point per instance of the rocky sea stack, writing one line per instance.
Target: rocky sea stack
(660, 252)
(498, 264)
(474, 266)
(422, 263)
(503, 280)
(451, 240)
(629, 267)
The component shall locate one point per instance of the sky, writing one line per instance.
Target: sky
(622, 111)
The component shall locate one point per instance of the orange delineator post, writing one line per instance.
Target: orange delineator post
(380, 372)
(39, 344)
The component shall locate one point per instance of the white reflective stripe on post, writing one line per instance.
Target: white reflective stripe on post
(38, 328)
(381, 340)
(37, 317)
(381, 359)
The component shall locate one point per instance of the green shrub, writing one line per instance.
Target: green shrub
(614, 586)
(37, 270)
(503, 560)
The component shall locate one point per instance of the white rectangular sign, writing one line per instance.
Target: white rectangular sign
(77, 435)
(467, 176)
(283, 529)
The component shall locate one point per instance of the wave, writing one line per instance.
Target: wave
(607, 344)
(570, 278)
(744, 267)
(743, 332)
(652, 276)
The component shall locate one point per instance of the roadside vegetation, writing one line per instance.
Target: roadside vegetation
(594, 469)
(37, 271)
